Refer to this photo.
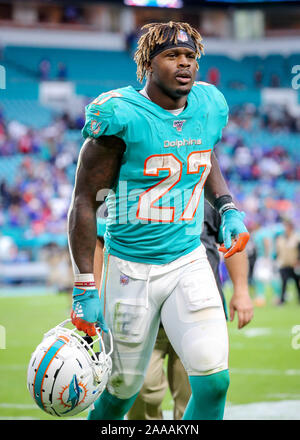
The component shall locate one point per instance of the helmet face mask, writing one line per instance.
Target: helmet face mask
(65, 375)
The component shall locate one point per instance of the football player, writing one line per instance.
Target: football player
(150, 152)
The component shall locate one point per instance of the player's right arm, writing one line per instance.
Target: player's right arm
(98, 168)
(238, 266)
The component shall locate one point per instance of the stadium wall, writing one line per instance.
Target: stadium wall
(235, 48)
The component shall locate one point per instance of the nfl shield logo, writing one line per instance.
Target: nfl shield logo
(124, 280)
(182, 36)
(178, 125)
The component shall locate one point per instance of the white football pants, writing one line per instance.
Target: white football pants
(182, 294)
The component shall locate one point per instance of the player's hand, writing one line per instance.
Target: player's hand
(242, 304)
(86, 311)
(233, 232)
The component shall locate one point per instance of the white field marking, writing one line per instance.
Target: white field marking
(264, 372)
(35, 418)
(18, 406)
(292, 372)
(254, 332)
(14, 367)
(237, 345)
(18, 418)
(243, 346)
(26, 291)
(281, 410)
(284, 396)
(28, 407)
(168, 414)
(261, 331)
(21, 406)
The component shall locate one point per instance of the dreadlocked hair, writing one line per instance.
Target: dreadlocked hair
(158, 33)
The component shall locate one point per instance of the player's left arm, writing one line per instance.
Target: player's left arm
(233, 232)
(240, 303)
(98, 261)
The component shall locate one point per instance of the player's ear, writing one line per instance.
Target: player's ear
(148, 67)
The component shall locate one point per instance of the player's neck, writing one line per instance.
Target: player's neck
(162, 99)
(175, 112)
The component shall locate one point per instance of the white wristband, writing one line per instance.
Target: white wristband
(226, 207)
(84, 278)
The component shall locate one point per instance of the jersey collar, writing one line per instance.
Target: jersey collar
(158, 110)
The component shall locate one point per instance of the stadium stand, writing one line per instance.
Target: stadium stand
(113, 69)
(39, 145)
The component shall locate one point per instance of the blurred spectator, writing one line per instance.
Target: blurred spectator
(258, 78)
(275, 80)
(60, 275)
(1, 116)
(16, 130)
(61, 72)
(251, 252)
(213, 76)
(8, 249)
(25, 144)
(72, 14)
(44, 70)
(288, 257)
(4, 194)
(265, 269)
(262, 270)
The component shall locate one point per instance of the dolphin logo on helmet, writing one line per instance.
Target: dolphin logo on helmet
(74, 393)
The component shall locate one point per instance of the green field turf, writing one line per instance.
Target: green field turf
(264, 365)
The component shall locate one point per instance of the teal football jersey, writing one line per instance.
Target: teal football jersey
(101, 226)
(155, 211)
(265, 240)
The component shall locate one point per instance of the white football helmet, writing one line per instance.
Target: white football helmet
(65, 374)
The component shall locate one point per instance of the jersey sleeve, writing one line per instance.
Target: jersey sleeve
(103, 117)
(101, 226)
(216, 106)
(222, 110)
